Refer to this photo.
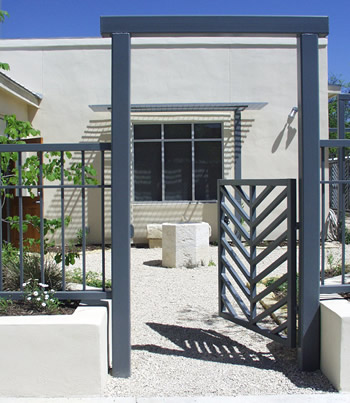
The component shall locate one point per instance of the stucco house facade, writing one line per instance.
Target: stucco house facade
(203, 108)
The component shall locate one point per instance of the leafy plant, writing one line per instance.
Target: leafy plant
(282, 289)
(40, 297)
(5, 304)
(79, 236)
(3, 14)
(93, 279)
(211, 263)
(16, 132)
(31, 270)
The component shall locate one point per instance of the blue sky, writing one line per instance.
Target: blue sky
(79, 18)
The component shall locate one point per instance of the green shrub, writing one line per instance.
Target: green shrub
(31, 270)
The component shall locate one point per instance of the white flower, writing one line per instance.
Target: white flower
(29, 298)
(52, 300)
(35, 293)
(43, 304)
(45, 292)
(52, 290)
(24, 284)
(44, 285)
(38, 299)
(46, 297)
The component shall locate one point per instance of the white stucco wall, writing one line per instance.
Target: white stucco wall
(9, 105)
(74, 73)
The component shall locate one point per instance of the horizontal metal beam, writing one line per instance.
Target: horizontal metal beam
(253, 182)
(64, 295)
(333, 289)
(335, 143)
(186, 107)
(5, 148)
(206, 25)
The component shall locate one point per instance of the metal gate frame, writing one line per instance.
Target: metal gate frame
(307, 30)
(230, 210)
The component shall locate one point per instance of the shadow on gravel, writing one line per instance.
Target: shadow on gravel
(153, 263)
(210, 345)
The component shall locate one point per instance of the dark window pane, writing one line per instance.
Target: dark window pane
(207, 131)
(207, 169)
(142, 132)
(178, 168)
(177, 131)
(147, 172)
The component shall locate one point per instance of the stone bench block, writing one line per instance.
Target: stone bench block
(185, 244)
(154, 235)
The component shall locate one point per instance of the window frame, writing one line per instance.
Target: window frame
(162, 142)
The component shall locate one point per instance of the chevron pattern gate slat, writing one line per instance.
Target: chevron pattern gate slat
(257, 256)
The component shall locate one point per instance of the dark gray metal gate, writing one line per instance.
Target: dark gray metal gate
(257, 278)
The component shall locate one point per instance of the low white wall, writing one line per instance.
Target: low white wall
(54, 355)
(335, 346)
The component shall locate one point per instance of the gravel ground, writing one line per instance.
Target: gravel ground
(180, 347)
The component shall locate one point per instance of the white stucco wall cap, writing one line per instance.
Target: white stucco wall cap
(83, 315)
(236, 41)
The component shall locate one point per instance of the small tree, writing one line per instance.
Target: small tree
(15, 133)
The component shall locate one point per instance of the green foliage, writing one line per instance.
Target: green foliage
(31, 270)
(3, 14)
(93, 279)
(5, 304)
(334, 268)
(211, 263)
(39, 297)
(283, 288)
(52, 167)
(4, 66)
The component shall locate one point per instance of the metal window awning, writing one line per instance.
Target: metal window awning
(186, 107)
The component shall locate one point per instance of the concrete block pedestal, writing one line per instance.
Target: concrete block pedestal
(185, 244)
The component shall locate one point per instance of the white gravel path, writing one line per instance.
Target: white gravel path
(180, 347)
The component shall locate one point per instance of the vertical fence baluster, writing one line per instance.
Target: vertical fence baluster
(323, 213)
(103, 219)
(221, 215)
(83, 216)
(62, 225)
(252, 256)
(41, 201)
(291, 263)
(1, 206)
(20, 213)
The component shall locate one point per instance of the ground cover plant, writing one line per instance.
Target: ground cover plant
(92, 278)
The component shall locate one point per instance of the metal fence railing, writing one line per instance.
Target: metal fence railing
(333, 189)
(59, 170)
(334, 267)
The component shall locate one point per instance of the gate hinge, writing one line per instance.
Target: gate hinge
(297, 225)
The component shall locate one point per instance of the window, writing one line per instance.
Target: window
(177, 161)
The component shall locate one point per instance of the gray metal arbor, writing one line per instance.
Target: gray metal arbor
(307, 30)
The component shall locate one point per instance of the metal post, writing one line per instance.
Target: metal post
(309, 202)
(121, 348)
(238, 155)
(341, 163)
